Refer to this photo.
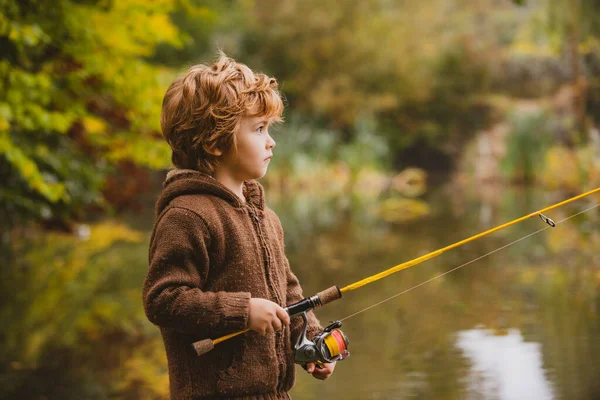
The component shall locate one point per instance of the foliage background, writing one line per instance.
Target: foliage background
(82, 83)
(382, 97)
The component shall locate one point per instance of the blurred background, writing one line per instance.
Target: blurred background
(409, 125)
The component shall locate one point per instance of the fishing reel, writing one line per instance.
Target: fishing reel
(325, 347)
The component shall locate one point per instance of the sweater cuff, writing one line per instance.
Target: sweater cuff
(235, 307)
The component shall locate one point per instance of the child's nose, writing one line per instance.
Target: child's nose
(270, 142)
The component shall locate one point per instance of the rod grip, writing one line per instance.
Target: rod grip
(328, 295)
(203, 346)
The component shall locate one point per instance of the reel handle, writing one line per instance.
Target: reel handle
(320, 299)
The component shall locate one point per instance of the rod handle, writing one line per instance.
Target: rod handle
(324, 297)
(203, 346)
(330, 294)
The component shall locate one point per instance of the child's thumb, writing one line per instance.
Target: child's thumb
(310, 367)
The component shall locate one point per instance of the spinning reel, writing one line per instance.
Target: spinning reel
(325, 347)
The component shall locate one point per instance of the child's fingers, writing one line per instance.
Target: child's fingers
(276, 324)
(310, 367)
(283, 316)
(270, 327)
(323, 373)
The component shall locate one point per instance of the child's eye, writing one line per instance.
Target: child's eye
(260, 129)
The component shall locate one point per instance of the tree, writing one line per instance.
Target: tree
(77, 97)
(572, 29)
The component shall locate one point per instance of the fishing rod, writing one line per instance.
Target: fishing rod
(332, 344)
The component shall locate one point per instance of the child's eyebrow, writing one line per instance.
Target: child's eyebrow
(263, 122)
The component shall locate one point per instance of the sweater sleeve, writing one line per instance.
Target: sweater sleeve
(179, 263)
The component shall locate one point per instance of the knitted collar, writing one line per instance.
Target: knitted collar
(188, 181)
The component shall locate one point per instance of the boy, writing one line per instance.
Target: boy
(217, 262)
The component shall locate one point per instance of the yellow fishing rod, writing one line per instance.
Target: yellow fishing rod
(331, 344)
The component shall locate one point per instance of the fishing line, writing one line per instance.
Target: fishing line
(313, 349)
(551, 224)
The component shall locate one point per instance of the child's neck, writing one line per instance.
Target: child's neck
(231, 183)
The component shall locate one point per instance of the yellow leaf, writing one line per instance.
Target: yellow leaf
(94, 125)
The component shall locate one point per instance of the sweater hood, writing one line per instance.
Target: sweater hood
(180, 182)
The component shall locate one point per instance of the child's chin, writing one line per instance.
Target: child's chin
(257, 174)
(263, 172)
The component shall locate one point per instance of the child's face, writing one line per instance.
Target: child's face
(254, 150)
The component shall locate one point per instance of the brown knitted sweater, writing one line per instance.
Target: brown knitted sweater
(209, 254)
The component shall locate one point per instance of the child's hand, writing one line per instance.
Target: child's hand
(266, 317)
(321, 373)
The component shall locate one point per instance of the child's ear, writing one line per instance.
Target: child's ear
(214, 150)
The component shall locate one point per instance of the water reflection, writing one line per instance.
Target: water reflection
(504, 367)
(74, 327)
